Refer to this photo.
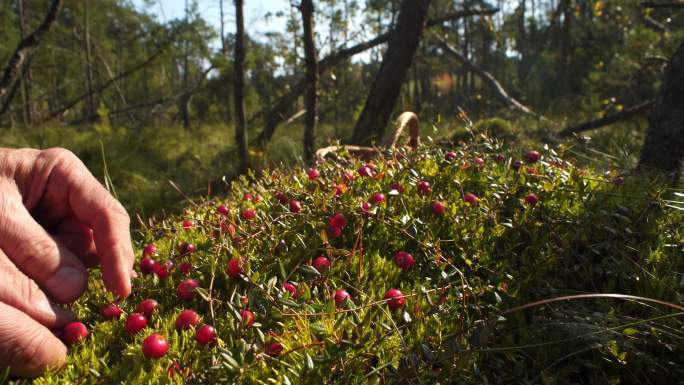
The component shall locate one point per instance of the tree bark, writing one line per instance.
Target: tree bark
(239, 86)
(307, 9)
(185, 100)
(664, 145)
(565, 47)
(23, 53)
(395, 65)
(88, 61)
(26, 80)
(284, 107)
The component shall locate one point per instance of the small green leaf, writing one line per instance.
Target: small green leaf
(309, 361)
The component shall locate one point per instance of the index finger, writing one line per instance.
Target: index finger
(97, 209)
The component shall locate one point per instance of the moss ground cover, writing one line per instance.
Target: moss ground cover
(508, 231)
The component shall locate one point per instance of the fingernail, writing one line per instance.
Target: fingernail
(67, 284)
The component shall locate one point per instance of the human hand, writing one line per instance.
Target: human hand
(56, 219)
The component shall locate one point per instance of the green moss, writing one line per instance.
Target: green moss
(495, 128)
(586, 234)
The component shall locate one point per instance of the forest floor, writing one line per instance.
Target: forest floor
(562, 269)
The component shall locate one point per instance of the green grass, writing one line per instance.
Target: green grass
(586, 235)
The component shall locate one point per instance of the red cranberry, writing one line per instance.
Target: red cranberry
(365, 207)
(135, 323)
(188, 224)
(111, 311)
(258, 198)
(185, 268)
(339, 189)
(438, 208)
(338, 220)
(378, 197)
(155, 346)
(365, 171)
(274, 349)
(248, 214)
(424, 187)
(291, 288)
(186, 248)
(150, 250)
(478, 161)
(334, 231)
(471, 198)
(74, 333)
(517, 165)
(234, 268)
(396, 299)
(313, 174)
(223, 210)
(450, 155)
(532, 156)
(404, 260)
(341, 296)
(247, 197)
(147, 265)
(321, 263)
(187, 319)
(247, 318)
(498, 158)
(398, 187)
(531, 199)
(205, 335)
(161, 270)
(348, 177)
(281, 197)
(295, 206)
(147, 307)
(371, 166)
(186, 289)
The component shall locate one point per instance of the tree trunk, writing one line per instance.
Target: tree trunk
(664, 145)
(88, 61)
(522, 40)
(239, 86)
(17, 62)
(307, 9)
(564, 63)
(26, 78)
(185, 100)
(395, 65)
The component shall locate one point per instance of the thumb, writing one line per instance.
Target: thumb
(60, 273)
(27, 347)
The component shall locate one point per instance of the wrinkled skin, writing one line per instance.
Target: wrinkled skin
(56, 220)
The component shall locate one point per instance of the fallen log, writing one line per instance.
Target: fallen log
(389, 141)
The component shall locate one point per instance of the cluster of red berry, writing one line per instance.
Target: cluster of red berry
(156, 346)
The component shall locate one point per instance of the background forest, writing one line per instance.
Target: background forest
(143, 101)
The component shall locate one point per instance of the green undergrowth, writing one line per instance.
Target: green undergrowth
(590, 232)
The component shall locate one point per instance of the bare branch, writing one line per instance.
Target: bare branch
(108, 83)
(625, 114)
(670, 4)
(489, 78)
